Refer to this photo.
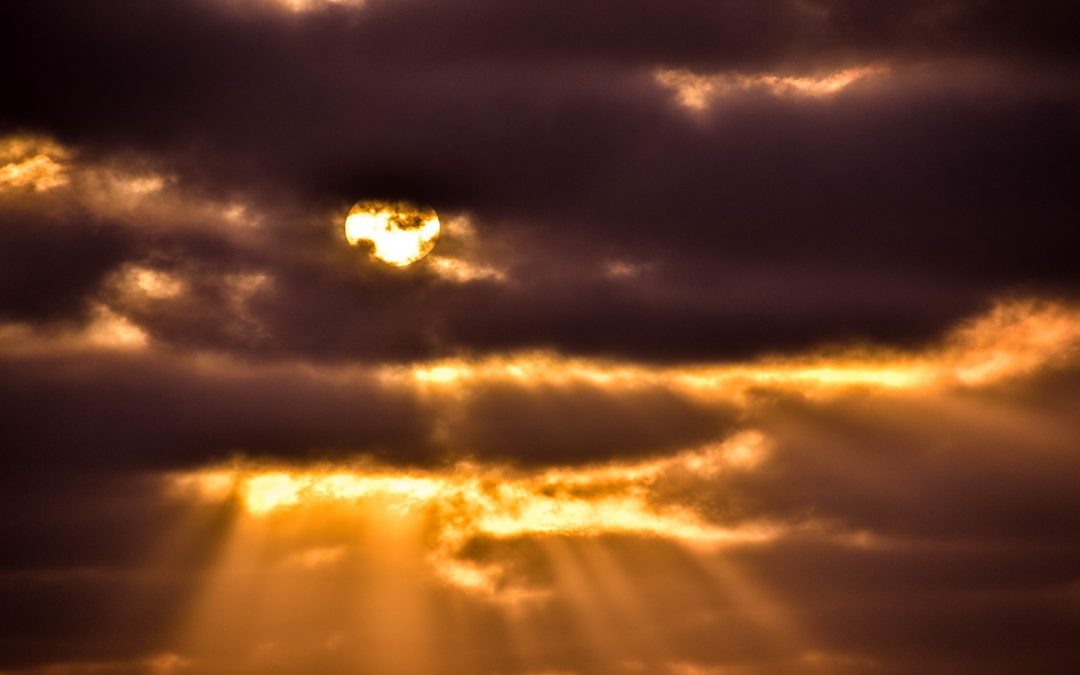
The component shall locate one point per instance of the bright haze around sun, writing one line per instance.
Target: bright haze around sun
(519, 338)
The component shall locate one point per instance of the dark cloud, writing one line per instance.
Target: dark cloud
(49, 266)
(883, 212)
(140, 412)
(929, 531)
(92, 570)
(94, 411)
(568, 424)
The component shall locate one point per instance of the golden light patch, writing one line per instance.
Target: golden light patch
(399, 233)
(113, 330)
(1013, 339)
(31, 162)
(315, 558)
(460, 270)
(40, 173)
(149, 283)
(300, 6)
(472, 501)
(697, 91)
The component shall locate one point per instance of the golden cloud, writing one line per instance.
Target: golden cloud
(696, 91)
(31, 162)
(1014, 338)
(471, 501)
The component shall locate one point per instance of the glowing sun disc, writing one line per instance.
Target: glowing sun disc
(400, 233)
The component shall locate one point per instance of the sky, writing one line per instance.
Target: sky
(682, 337)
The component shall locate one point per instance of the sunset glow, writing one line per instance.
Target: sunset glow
(470, 502)
(1013, 339)
(696, 91)
(636, 337)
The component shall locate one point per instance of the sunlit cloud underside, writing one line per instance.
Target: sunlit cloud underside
(341, 556)
(468, 501)
(338, 556)
(1014, 338)
(449, 508)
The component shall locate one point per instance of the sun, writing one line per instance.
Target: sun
(400, 233)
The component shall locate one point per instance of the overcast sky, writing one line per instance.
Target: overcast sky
(770, 307)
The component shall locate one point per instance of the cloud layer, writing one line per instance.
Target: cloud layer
(749, 343)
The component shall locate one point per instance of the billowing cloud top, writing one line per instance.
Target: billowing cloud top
(748, 341)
